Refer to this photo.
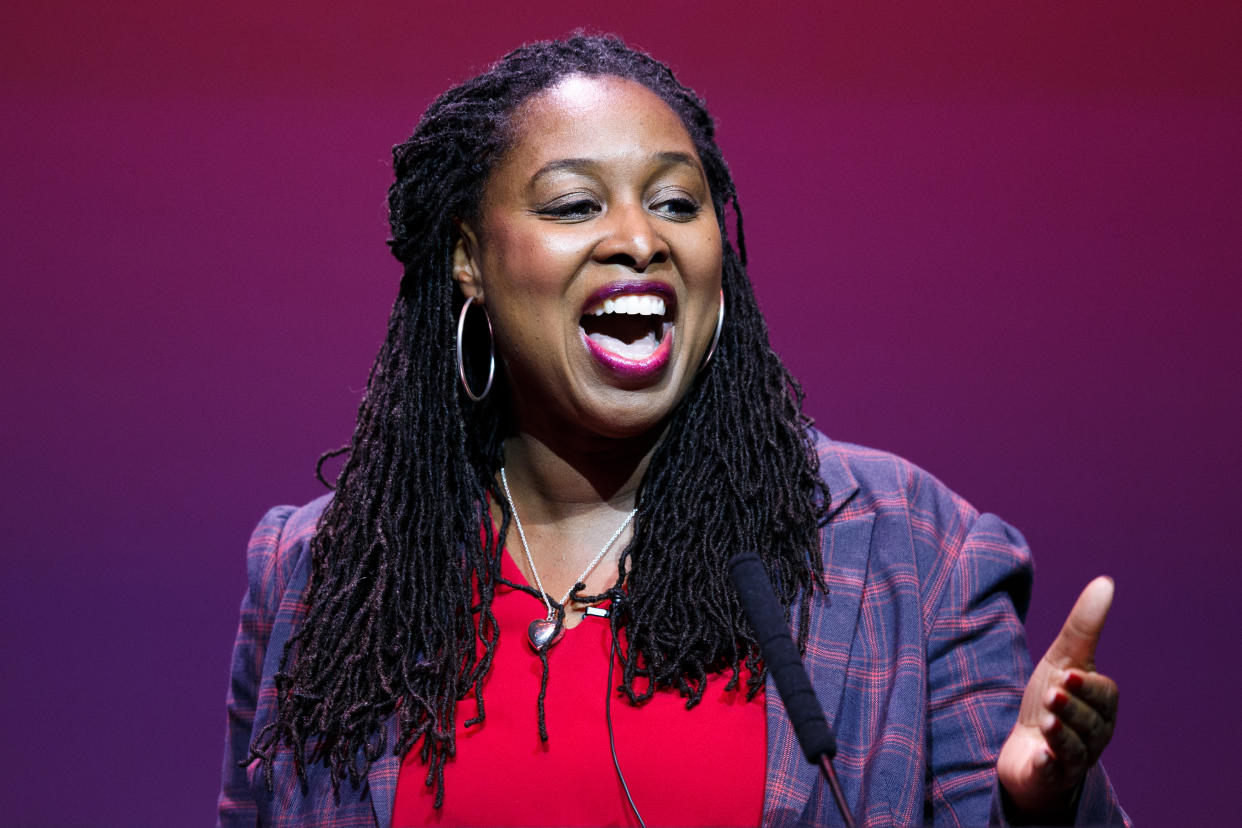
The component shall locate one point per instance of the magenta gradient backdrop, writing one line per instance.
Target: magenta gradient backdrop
(1001, 240)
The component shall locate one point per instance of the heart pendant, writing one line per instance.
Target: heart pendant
(543, 633)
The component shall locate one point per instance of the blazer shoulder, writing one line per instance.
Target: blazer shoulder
(919, 518)
(865, 481)
(279, 545)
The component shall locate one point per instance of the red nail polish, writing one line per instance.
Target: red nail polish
(1073, 681)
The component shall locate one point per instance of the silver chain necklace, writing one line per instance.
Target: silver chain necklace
(544, 632)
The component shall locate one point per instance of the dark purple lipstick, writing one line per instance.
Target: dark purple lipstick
(623, 366)
(634, 288)
(632, 369)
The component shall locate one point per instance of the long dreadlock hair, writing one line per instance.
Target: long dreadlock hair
(393, 625)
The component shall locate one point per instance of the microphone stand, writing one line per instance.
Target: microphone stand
(825, 764)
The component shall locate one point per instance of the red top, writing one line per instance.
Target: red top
(684, 767)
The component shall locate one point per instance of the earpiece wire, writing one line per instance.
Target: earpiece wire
(612, 742)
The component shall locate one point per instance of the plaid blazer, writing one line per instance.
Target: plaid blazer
(917, 654)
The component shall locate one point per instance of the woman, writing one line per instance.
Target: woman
(563, 216)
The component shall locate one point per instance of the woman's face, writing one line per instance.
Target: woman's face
(598, 257)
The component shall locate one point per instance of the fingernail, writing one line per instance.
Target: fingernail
(1055, 699)
(1073, 681)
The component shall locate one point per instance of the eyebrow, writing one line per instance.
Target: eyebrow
(668, 158)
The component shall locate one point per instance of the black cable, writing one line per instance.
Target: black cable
(612, 742)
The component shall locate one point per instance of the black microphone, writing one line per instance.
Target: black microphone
(767, 617)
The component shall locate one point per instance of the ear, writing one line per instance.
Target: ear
(466, 268)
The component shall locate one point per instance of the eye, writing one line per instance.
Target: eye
(571, 207)
(679, 207)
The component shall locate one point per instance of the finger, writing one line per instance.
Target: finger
(1068, 749)
(1092, 729)
(1075, 644)
(1054, 771)
(1095, 689)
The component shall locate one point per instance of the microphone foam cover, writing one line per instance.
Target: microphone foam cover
(767, 617)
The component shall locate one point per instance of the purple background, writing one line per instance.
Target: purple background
(1022, 226)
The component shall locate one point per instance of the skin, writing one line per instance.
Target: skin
(603, 184)
(1067, 716)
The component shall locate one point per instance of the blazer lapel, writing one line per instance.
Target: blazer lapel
(846, 545)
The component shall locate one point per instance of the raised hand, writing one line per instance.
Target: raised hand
(1067, 715)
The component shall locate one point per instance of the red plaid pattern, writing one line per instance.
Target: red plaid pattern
(917, 655)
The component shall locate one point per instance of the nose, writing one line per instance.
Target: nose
(632, 238)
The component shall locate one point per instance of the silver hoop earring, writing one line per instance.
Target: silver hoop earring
(461, 365)
(716, 336)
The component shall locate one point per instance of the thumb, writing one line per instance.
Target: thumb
(1075, 644)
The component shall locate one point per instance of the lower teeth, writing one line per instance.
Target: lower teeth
(638, 349)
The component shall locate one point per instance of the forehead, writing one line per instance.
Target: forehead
(600, 118)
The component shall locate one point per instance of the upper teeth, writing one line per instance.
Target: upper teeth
(642, 305)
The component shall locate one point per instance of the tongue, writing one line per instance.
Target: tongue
(628, 336)
(637, 350)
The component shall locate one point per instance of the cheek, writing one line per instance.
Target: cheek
(523, 276)
(563, 248)
(707, 261)
(530, 263)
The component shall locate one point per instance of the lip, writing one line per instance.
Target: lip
(634, 370)
(634, 287)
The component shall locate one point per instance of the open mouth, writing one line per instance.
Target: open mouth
(629, 328)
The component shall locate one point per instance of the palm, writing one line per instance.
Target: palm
(1067, 715)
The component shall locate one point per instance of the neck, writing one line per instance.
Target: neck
(573, 495)
(571, 476)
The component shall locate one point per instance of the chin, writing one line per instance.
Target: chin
(627, 414)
